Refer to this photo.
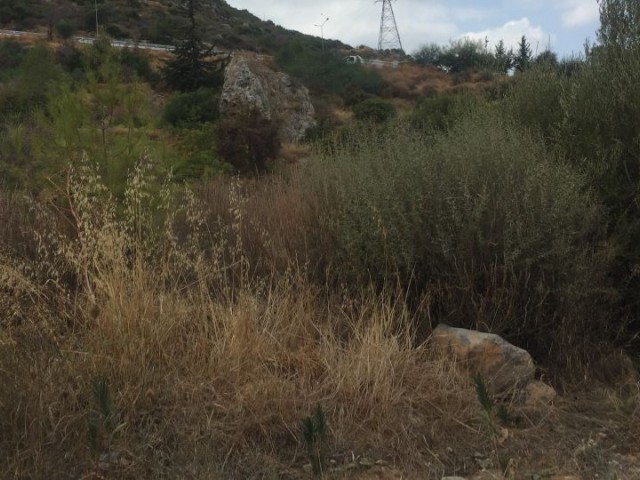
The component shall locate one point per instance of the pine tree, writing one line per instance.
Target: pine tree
(504, 58)
(190, 69)
(523, 58)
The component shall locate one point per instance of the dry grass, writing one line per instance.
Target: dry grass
(410, 81)
(341, 115)
(197, 380)
(294, 152)
(277, 227)
(203, 383)
(211, 367)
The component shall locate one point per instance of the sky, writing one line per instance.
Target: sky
(564, 25)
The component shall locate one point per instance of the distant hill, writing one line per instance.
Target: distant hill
(158, 21)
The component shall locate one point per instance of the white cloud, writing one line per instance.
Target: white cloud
(578, 13)
(420, 26)
(511, 33)
(425, 21)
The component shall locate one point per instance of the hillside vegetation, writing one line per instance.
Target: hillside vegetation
(157, 21)
(176, 306)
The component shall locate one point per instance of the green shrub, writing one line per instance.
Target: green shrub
(465, 54)
(493, 231)
(64, 29)
(248, 141)
(70, 58)
(571, 66)
(326, 71)
(98, 56)
(600, 133)
(190, 109)
(535, 99)
(38, 74)
(547, 59)
(354, 95)
(135, 62)
(314, 431)
(196, 155)
(11, 53)
(600, 130)
(374, 110)
(428, 54)
(438, 111)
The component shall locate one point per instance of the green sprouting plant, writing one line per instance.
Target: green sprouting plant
(314, 431)
(493, 413)
(102, 397)
(503, 415)
(103, 423)
(485, 399)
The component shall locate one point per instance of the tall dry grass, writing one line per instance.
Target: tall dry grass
(209, 370)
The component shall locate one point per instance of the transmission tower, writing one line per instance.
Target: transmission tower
(389, 36)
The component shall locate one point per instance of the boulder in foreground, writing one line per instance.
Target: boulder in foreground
(502, 365)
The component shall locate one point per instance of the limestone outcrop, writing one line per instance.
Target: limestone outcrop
(251, 85)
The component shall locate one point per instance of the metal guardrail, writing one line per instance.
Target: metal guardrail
(17, 33)
(90, 40)
(128, 44)
(374, 62)
(381, 63)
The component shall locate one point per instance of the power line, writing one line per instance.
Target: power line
(389, 38)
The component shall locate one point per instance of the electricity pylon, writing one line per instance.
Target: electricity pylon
(389, 36)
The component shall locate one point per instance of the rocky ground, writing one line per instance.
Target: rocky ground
(530, 432)
(594, 436)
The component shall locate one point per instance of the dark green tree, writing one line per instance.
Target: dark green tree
(547, 59)
(619, 24)
(504, 57)
(428, 54)
(64, 29)
(465, 55)
(522, 60)
(601, 134)
(58, 14)
(374, 110)
(248, 141)
(190, 69)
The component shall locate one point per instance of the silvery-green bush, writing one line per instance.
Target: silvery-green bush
(481, 223)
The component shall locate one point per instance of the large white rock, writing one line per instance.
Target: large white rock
(249, 83)
(502, 365)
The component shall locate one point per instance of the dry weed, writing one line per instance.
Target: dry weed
(201, 381)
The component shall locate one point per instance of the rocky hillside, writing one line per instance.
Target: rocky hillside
(158, 21)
